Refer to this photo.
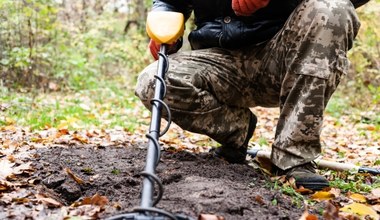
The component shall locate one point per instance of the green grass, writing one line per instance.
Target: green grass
(115, 171)
(354, 182)
(361, 107)
(337, 106)
(297, 198)
(349, 186)
(262, 141)
(104, 107)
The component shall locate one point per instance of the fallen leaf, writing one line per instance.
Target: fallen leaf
(374, 197)
(97, 200)
(11, 158)
(5, 185)
(72, 175)
(307, 216)
(85, 212)
(10, 128)
(117, 205)
(331, 212)
(361, 210)
(371, 127)
(25, 168)
(210, 217)
(335, 191)
(259, 199)
(61, 132)
(376, 208)
(21, 200)
(322, 196)
(80, 138)
(376, 192)
(6, 199)
(6, 169)
(291, 182)
(9, 121)
(358, 197)
(49, 202)
(304, 191)
(63, 125)
(266, 165)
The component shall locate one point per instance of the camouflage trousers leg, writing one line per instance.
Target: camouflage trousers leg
(311, 53)
(204, 93)
(210, 91)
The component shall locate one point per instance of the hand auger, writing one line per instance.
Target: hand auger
(165, 28)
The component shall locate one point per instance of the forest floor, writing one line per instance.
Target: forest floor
(95, 174)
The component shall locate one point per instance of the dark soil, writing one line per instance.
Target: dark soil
(193, 183)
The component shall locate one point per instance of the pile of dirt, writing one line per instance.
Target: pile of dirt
(193, 183)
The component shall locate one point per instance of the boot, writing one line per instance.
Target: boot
(236, 154)
(305, 175)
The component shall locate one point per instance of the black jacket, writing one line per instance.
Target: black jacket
(218, 26)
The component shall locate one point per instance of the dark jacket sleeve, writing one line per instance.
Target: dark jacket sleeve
(181, 6)
(358, 3)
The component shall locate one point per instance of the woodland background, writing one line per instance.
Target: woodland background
(67, 46)
(67, 74)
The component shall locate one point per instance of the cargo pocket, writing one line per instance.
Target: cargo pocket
(325, 68)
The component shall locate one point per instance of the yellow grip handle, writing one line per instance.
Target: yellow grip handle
(165, 27)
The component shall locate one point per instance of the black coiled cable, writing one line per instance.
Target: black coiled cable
(153, 178)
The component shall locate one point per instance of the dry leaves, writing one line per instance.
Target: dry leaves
(342, 142)
(350, 206)
(96, 200)
(331, 212)
(74, 177)
(307, 216)
(49, 202)
(357, 197)
(9, 170)
(362, 210)
(5, 186)
(6, 169)
(322, 196)
(210, 217)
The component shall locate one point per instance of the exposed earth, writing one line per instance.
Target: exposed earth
(194, 184)
(62, 174)
(59, 174)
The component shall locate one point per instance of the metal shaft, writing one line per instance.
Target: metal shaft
(154, 131)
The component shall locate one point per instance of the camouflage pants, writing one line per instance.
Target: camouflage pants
(210, 91)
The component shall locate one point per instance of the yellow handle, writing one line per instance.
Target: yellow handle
(165, 27)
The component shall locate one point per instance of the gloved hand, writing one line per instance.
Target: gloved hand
(248, 7)
(172, 48)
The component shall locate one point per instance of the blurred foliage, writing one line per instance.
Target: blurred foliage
(362, 86)
(70, 44)
(75, 45)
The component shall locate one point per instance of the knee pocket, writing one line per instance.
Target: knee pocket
(146, 84)
(326, 68)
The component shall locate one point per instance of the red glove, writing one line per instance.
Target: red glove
(172, 48)
(248, 7)
(154, 48)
